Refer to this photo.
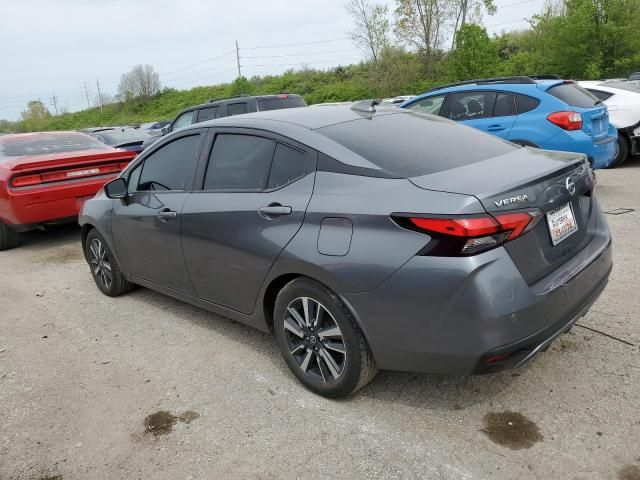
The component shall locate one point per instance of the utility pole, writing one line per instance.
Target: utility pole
(54, 101)
(86, 91)
(238, 59)
(99, 96)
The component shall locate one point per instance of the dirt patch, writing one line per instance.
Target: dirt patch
(511, 429)
(629, 472)
(162, 422)
(71, 253)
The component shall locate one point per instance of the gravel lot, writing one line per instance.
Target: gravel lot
(144, 386)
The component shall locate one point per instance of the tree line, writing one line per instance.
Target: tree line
(409, 47)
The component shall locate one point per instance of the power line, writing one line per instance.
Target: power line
(199, 63)
(205, 78)
(197, 72)
(296, 44)
(505, 23)
(498, 7)
(306, 54)
(300, 64)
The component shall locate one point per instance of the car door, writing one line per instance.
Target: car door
(146, 225)
(490, 111)
(255, 189)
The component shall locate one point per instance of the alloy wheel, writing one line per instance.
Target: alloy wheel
(314, 339)
(100, 263)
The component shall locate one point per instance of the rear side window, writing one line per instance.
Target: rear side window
(411, 144)
(207, 114)
(239, 162)
(280, 101)
(600, 94)
(167, 167)
(236, 108)
(574, 95)
(288, 165)
(504, 105)
(525, 103)
(431, 105)
(471, 105)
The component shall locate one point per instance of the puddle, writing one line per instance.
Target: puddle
(162, 422)
(511, 429)
(629, 472)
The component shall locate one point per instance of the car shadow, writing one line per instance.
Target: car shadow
(426, 391)
(57, 236)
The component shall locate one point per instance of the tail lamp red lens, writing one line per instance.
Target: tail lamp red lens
(53, 176)
(566, 120)
(471, 235)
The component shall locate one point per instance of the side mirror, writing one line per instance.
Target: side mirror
(164, 130)
(116, 188)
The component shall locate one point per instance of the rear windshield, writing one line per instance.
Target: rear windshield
(45, 144)
(413, 144)
(574, 95)
(276, 103)
(118, 137)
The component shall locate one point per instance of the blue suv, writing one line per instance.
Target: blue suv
(541, 112)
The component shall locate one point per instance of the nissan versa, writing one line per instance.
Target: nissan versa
(362, 239)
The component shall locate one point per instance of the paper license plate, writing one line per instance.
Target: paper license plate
(561, 223)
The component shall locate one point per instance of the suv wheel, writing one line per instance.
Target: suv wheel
(8, 238)
(320, 340)
(104, 267)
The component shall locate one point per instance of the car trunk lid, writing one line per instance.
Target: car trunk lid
(524, 179)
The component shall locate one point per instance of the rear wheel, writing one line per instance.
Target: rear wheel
(8, 238)
(320, 340)
(623, 152)
(104, 267)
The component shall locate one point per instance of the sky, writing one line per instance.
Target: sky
(53, 47)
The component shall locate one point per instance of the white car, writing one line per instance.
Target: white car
(623, 102)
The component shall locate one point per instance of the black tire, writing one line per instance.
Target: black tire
(104, 266)
(356, 367)
(623, 152)
(8, 238)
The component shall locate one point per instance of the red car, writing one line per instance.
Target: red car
(46, 177)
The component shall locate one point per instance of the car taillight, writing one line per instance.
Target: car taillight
(53, 176)
(566, 120)
(460, 236)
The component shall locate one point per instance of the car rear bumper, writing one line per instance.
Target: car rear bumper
(476, 314)
(601, 152)
(27, 208)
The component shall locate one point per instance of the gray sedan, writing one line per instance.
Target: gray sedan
(362, 239)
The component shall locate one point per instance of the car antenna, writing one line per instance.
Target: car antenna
(368, 106)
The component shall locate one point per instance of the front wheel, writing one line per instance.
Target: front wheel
(104, 266)
(320, 340)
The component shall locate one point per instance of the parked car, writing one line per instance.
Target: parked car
(130, 139)
(46, 177)
(155, 128)
(623, 103)
(227, 107)
(363, 240)
(396, 100)
(547, 113)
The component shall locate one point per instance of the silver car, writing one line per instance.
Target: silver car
(362, 239)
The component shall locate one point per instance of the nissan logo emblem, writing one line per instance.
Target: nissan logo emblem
(570, 186)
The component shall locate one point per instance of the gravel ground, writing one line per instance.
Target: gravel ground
(144, 386)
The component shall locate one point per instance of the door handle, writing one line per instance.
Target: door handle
(166, 215)
(274, 210)
(495, 128)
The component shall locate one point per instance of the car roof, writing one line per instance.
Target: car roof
(235, 99)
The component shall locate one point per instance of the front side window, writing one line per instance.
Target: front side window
(239, 162)
(166, 168)
(183, 120)
(236, 108)
(471, 105)
(431, 105)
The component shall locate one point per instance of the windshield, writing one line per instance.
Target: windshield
(47, 143)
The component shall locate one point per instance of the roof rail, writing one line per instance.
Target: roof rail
(242, 95)
(486, 81)
(545, 76)
(368, 106)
